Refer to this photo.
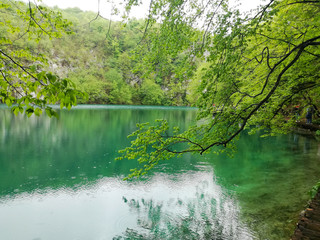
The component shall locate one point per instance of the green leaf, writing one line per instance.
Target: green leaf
(49, 112)
(65, 83)
(15, 110)
(37, 111)
(8, 102)
(29, 111)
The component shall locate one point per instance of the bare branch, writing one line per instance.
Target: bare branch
(210, 22)
(148, 22)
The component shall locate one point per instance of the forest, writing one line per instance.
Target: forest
(254, 71)
(98, 56)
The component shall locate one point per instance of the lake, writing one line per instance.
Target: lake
(59, 180)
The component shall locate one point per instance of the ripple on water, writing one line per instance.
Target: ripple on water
(123, 222)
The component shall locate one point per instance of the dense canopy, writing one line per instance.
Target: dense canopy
(253, 71)
(92, 52)
(23, 77)
(258, 70)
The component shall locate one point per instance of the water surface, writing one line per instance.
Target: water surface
(59, 180)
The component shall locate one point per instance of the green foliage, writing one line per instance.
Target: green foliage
(24, 80)
(240, 71)
(151, 93)
(314, 190)
(98, 55)
(148, 148)
(171, 66)
(253, 71)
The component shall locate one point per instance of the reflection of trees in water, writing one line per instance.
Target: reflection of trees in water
(80, 146)
(205, 216)
(29, 133)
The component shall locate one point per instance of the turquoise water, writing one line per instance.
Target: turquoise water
(59, 180)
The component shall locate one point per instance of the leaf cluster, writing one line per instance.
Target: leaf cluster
(253, 72)
(24, 80)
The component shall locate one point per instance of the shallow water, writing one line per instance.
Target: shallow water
(59, 180)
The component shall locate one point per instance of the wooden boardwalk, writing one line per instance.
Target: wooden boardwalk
(311, 126)
(308, 227)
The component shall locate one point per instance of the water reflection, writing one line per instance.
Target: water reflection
(192, 206)
(195, 207)
(59, 180)
(76, 148)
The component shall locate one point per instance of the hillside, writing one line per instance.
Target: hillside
(96, 55)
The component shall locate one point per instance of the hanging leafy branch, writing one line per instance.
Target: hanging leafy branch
(252, 71)
(24, 80)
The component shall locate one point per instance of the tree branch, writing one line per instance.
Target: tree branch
(21, 67)
(300, 48)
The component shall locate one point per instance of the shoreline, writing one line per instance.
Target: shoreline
(308, 226)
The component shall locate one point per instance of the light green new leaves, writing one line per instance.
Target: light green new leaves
(253, 72)
(155, 143)
(149, 147)
(23, 78)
